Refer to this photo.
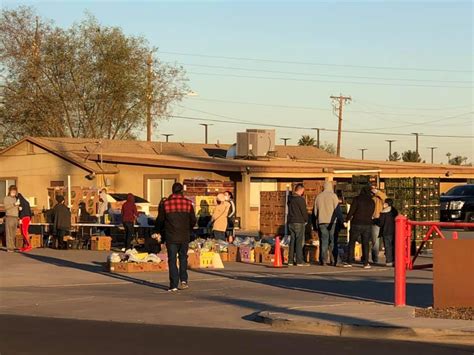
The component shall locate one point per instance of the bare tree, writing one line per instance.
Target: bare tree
(84, 81)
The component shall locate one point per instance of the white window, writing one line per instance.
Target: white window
(257, 186)
(157, 189)
(4, 185)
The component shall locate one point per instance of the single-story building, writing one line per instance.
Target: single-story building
(149, 169)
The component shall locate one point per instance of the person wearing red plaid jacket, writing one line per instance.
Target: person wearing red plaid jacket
(175, 222)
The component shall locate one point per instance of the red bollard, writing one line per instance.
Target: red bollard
(401, 253)
(455, 235)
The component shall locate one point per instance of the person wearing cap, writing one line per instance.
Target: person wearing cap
(11, 205)
(61, 220)
(219, 219)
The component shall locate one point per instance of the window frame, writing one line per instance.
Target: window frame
(6, 187)
(147, 177)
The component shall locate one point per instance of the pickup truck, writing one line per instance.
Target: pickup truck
(457, 205)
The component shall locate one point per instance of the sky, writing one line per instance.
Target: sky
(408, 67)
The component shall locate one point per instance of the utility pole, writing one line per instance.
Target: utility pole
(318, 142)
(338, 103)
(285, 140)
(167, 135)
(416, 135)
(205, 125)
(362, 151)
(390, 141)
(149, 95)
(432, 153)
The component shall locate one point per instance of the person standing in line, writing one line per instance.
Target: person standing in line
(129, 216)
(297, 219)
(103, 206)
(325, 206)
(11, 205)
(25, 218)
(176, 220)
(379, 198)
(338, 220)
(360, 215)
(387, 230)
(61, 220)
(231, 216)
(219, 218)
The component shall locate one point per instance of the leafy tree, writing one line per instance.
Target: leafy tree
(307, 140)
(411, 156)
(394, 157)
(456, 160)
(328, 147)
(84, 81)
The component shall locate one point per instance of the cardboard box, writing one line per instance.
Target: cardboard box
(36, 241)
(233, 253)
(101, 243)
(137, 267)
(246, 254)
(224, 256)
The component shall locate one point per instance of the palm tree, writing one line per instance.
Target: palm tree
(307, 140)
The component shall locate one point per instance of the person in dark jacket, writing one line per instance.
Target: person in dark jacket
(360, 215)
(61, 220)
(129, 215)
(387, 230)
(176, 221)
(297, 219)
(25, 218)
(338, 220)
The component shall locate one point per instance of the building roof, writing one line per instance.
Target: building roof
(90, 153)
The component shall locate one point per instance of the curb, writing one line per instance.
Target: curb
(449, 336)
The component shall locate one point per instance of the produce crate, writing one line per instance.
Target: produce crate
(224, 256)
(36, 241)
(205, 259)
(246, 254)
(101, 243)
(233, 253)
(137, 267)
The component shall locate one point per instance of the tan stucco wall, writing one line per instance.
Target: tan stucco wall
(34, 172)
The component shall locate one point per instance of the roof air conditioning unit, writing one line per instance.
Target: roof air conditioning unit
(255, 143)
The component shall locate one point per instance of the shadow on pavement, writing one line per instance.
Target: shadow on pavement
(257, 307)
(98, 268)
(371, 290)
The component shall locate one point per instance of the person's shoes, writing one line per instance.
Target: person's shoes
(26, 249)
(173, 290)
(367, 266)
(289, 264)
(389, 264)
(304, 264)
(184, 286)
(346, 265)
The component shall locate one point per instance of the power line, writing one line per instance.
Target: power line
(328, 81)
(317, 108)
(325, 75)
(306, 128)
(314, 63)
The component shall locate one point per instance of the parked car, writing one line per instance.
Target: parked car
(457, 205)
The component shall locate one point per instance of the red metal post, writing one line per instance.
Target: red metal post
(401, 254)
